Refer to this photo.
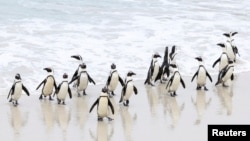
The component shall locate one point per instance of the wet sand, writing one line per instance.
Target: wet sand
(151, 115)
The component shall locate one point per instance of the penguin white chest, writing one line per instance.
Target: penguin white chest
(228, 74)
(156, 71)
(48, 86)
(113, 81)
(83, 82)
(223, 61)
(201, 78)
(129, 90)
(17, 91)
(102, 109)
(63, 91)
(176, 82)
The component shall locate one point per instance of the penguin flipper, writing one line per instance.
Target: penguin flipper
(226, 34)
(55, 86)
(147, 81)
(183, 84)
(232, 77)
(90, 79)
(194, 76)
(75, 74)
(25, 90)
(208, 75)
(73, 79)
(69, 91)
(234, 33)
(170, 81)
(135, 90)
(108, 81)
(216, 62)
(122, 94)
(111, 106)
(93, 105)
(121, 81)
(158, 77)
(43, 82)
(11, 91)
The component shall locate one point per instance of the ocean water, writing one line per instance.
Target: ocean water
(45, 33)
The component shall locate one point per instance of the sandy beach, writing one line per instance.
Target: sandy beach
(152, 114)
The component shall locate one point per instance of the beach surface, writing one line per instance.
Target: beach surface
(151, 115)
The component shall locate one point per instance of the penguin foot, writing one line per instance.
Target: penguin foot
(110, 119)
(63, 103)
(224, 85)
(41, 97)
(78, 95)
(198, 88)
(100, 119)
(171, 94)
(112, 93)
(50, 98)
(205, 88)
(10, 100)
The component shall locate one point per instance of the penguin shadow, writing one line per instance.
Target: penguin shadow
(48, 114)
(128, 120)
(63, 116)
(153, 99)
(103, 133)
(174, 110)
(201, 103)
(17, 119)
(82, 111)
(225, 95)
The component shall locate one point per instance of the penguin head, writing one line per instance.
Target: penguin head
(17, 76)
(105, 89)
(77, 57)
(65, 76)
(130, 73)
(199, 59)
(113, 66)
(156, 55)
(221, 45)
(48, 69)
(83, 66)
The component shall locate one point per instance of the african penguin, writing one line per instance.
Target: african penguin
(128, 89)
(223, 59)
(48, 83)
(63, 89)
(103, 103)
(154, 73)
(232, 49)
(201, 75)
(174, 81)
(77, 71)
(113, 80)
(16, 90)
(82, 79)
(226, 74)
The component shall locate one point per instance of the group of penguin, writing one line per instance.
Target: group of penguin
(81, 79)
(168, 72)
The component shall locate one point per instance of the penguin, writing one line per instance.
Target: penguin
(168, 59)
(174, 81)
(63, 89)
(113, 80)
(48, 83)
(226, 74)
(82, 79)
(77, 71)
(232, 49)
(201, 75)
(16, 90)
(154, 73)
(128, 89)
(223, 59)
(103, 103)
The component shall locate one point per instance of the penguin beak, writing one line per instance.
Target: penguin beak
(133, 73)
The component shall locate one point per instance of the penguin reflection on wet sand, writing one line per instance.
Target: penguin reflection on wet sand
(113, 80)
(77, 71)
(83, 79)
(201, 75)
(103, 103)
(128, 89)
(62, 90)
(49, 84)
(226, 74)
(154, 73)
(174, 81)
(16, 90)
